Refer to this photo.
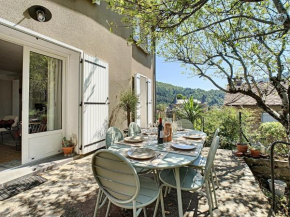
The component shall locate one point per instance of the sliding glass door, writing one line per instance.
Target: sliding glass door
(42, 104)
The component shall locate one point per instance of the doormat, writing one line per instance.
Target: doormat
(21, 186)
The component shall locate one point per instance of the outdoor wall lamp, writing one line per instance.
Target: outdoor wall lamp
(39, 13)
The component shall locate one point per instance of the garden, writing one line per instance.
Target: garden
(238, 131)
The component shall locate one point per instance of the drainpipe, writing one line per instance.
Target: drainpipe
(154, 75)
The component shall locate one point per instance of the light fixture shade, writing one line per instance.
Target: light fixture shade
(39, 13)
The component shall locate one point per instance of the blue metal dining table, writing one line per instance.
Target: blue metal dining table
(167, 157)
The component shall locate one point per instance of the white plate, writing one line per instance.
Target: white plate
(193, 136)
(141, 153)
(134, 139)
(183, 146)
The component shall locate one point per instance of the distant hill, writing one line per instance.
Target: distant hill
(167, 92)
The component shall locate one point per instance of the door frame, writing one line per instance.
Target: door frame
(24, 37)
(25, 102)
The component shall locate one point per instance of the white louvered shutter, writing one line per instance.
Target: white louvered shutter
(95, 103)
(137, 89)
(149, 102)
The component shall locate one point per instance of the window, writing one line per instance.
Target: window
(45, 93)
(267, 118)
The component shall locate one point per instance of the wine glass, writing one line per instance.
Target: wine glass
(179, 125)
(151, 135)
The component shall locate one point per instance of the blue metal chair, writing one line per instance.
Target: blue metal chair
(119, 181)
(133, 129)
(191, 179)
(113, 135)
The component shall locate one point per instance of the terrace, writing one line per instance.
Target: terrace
(71, 190)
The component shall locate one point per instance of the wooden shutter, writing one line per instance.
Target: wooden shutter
(95, 102)
(137, 92)
(149, 102)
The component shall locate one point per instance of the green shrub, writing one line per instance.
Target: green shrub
(270, 132)
(227, 120)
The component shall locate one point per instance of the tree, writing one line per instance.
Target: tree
(226, 39)
(180, 96)
(128, 102)
(191, 110)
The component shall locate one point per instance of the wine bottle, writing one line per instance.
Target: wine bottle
(160, 132)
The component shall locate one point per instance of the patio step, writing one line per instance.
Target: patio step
(10, 176)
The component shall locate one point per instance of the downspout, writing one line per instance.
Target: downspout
(154, 75)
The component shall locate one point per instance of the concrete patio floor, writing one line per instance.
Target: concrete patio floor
(71, 191)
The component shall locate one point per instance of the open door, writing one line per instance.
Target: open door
(95, 103)
(43, 104)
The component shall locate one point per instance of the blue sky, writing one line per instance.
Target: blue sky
(171, 73)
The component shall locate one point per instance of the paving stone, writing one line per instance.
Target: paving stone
(238, 195)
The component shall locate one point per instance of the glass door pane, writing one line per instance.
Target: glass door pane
(45, 93)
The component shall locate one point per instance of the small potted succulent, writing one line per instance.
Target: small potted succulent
(255, 150)
(67, 146)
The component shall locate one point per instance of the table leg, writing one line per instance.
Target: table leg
(178, 189)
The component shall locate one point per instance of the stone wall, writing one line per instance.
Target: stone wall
(257, 113)
(261, 168)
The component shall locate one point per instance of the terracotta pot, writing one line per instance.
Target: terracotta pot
(255, 153)
(67, 150)
(242, 148)
(239, 154)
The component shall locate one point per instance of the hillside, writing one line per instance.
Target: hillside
(167, 92)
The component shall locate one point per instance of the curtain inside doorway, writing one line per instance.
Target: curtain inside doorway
(45, 93)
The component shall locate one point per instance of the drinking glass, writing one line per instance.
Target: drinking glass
(179, 125)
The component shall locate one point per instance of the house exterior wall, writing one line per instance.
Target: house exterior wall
(84, 25)
(257, 113)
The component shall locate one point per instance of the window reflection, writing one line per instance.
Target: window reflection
(45, 93)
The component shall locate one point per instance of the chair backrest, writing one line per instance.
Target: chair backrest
(115, 176)
(211, 156)
(134, 129)
(12, 117)
(113, 135)
(186, 124)
(216, 132)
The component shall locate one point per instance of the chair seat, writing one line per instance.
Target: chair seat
(149, 192)
(199, 163)
(140, 170)
(3, 130)
(190, 179)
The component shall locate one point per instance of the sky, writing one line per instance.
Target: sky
(171, 73)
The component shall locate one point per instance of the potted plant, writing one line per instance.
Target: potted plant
(67, 146)
(242, 147)
(128, 102)
(255, 150)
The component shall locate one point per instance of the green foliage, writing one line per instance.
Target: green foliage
(189, 110)
(219, 39)
(128, 102)
(227, 120)
(180, 96)
(165, 94)
(270, 132)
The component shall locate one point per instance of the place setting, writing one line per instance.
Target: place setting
(145, 155)
(182, 147)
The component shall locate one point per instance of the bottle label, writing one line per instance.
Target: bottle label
(161, 134)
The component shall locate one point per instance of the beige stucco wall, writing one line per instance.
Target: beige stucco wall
(84, 25)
